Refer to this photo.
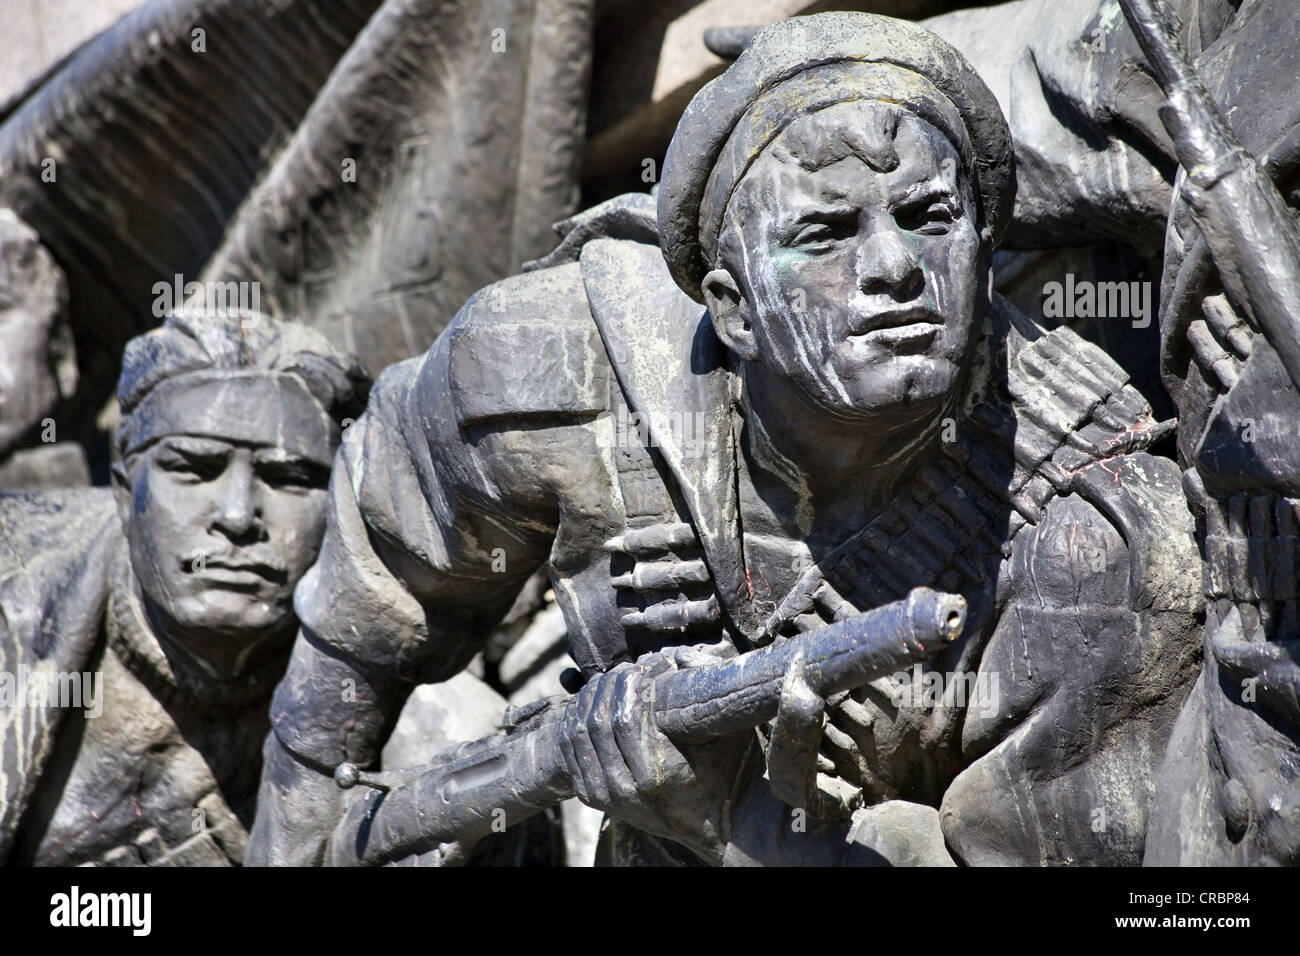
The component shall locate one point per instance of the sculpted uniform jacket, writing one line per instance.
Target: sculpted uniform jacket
(500, 451)
(55, 551)
(123, 783)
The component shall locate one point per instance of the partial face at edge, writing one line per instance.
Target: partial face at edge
(29, 388)
(861, 285)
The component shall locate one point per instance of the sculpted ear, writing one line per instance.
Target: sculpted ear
(121, 479)
(730, 313)
(63, 354)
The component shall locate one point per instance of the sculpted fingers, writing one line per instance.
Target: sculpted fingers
(641, 744)
(1210, 355)
(617, 784)
(611, 746)
(675, 615)
(1227, 326)
(654, 541)
(580, 750)
(827, 600)
(569, 752)
(796, 735)
(663, 575)
(669, 585)
(1267, 671)
(849, 740)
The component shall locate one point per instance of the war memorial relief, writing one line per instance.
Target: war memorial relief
(553, 432)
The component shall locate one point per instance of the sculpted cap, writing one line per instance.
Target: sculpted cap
(219, 355)
(804, 65)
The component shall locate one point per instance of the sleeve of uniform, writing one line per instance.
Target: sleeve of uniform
(1080, 684)
(441, 506)
(1093, 162)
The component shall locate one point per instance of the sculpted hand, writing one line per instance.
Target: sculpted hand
(668, 580)
(623, 764)
(1260, 653)
(1267, 671)
(793, 751)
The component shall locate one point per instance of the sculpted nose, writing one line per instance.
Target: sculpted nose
(886, 264)
(238, 515)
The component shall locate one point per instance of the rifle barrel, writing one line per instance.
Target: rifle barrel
(706, 702)
(477, 788)
(1158, 42)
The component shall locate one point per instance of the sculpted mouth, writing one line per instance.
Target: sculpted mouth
(235, 572)
(899, 330)
(892, 319)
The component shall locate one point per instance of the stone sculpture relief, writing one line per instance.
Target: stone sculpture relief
(164, 606)
(857, 562)
(830, 411)
(38, 366)
(361, 165)
(1194, 106)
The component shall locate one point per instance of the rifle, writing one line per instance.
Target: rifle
(1248, 227)
(506, 778)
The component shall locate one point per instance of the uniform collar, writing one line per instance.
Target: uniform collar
(673, 372)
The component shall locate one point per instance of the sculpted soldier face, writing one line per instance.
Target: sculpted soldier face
(225, 512)
(852, 252)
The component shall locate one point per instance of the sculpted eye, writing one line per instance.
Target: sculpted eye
(293, 475)
(192, 467)
(930, 217)
(819, 234)
(812, 233)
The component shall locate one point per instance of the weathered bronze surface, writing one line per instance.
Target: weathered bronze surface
(908, 477)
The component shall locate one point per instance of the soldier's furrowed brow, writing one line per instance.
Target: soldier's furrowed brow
(933, 189)
(194, 446)
(281, 469)
(816, 212)
(278, 456)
